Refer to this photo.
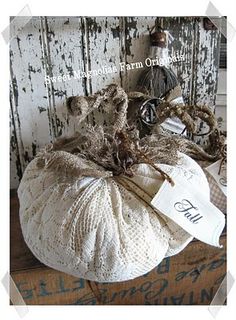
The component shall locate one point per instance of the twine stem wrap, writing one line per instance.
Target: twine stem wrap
(115, 148)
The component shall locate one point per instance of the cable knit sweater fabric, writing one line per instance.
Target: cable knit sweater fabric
(101, 229)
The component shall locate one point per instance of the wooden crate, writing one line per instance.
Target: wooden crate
(189, 278)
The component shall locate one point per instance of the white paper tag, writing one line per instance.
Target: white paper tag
(190, 209)
(219, 174)
(174, 125)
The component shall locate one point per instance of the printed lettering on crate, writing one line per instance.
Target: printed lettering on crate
(190, 278)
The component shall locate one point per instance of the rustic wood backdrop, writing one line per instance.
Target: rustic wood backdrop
(56, 46)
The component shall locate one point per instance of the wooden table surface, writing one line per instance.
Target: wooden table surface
(21, 257)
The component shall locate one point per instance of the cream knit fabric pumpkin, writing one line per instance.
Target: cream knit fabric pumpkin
(101, 229)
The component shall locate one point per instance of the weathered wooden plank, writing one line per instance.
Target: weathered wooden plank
(15, 165)
(182, 30)
(137, 46)
(104, 37)
(205, 71)
(29, 99)
(65, 57)
(206, 65)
